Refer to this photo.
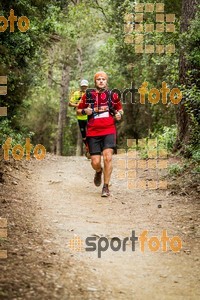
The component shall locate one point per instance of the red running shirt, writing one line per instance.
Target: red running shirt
(101, 122)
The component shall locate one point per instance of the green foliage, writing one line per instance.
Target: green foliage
(166, 138)
(43, 106)
(92, 31)
(175, 169)
(192, 104)
(196, 156)
(189, 44)
(20, 52)
(192, 41)
(70, 134)
(6, 131)
(157, 142)
(197, 169)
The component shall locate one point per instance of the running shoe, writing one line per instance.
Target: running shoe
(105, 192)
(97, 178)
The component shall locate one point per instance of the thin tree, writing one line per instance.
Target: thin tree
(63, 106)
(184, 122)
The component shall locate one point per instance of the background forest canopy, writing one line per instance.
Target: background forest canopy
(71, 40)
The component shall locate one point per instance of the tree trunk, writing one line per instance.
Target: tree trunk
(80, 59)
(63, 107)
(50, 66)
(183, 119)
(79, 143)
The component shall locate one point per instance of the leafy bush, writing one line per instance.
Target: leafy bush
(175, 169)
(159, 143)
(196, 155)
(167, 137)
(6, 131)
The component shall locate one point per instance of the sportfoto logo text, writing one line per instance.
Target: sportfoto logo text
(154, 95)
(23, 22)
(18, 151)
(102, 244)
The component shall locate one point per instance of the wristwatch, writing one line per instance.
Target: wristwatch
(83, 112)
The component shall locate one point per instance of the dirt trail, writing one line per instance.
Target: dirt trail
(58, 201)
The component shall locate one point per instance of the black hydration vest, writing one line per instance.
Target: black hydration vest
(91, 101)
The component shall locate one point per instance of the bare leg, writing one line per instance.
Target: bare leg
(96, 162)
(107, 157)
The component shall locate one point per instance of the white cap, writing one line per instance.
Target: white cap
(84, 83)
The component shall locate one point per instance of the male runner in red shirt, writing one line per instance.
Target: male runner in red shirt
(102, 108)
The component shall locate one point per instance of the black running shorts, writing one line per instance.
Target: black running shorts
(97, 144)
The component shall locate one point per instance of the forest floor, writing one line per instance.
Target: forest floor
(49, 203)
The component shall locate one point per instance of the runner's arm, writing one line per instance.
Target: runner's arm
(74, 100)
(117, 107)
(73, 104)
(83, 108)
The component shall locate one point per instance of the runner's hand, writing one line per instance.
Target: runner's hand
(118, 116)
(88, 111)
